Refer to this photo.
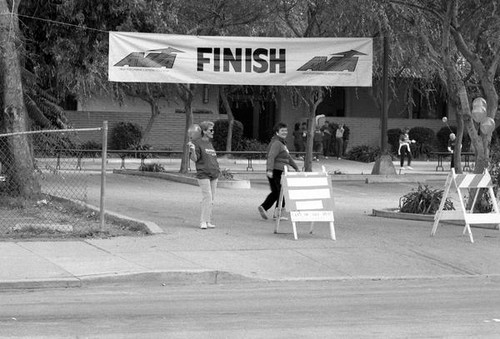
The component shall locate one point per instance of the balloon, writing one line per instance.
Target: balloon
(445, 120)
(194, 132)
(487, 126)
(479, 109)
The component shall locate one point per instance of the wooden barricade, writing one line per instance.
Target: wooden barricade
(474, 184)
(308, 197)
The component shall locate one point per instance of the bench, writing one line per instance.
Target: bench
(465, 155)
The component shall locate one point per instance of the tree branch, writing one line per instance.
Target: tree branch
(415, 6)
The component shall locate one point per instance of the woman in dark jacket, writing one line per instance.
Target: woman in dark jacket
(277, 158)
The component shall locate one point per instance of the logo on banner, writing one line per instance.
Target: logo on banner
(155, 58)
(338, 62)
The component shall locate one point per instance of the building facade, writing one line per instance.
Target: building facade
(353, 107)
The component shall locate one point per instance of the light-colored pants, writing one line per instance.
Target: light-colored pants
(208, 189)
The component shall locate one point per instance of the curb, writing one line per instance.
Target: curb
(231, 184)
(40, 284)
(151, 227)
(169, 278)
(256, 176)
(179, 278)
(164, 278)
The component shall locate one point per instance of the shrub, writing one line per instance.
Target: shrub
(50, 144)
(225, 174)
(443, 136)
(91, 146)
(221, 128)
(425, 141)
(152, 168)
(252, 145)
(363, 153)
(124, 135)
(423, 200)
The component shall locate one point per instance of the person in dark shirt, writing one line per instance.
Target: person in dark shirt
(327, 138)
(451, 148)
(277, 158)
(202, 152)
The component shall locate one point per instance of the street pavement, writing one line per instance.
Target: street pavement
(243, 247)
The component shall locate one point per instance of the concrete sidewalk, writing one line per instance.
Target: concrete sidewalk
(243, 247)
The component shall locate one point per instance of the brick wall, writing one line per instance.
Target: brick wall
(167, 131)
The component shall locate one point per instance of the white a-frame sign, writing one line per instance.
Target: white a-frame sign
(309, 198)
(468, 185)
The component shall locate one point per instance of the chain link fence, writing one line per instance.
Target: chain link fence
(49, 168)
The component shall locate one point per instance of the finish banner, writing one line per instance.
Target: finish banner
(148, 57)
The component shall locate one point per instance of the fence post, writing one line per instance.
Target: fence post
(103, 170)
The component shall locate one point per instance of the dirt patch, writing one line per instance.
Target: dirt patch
(50, 218)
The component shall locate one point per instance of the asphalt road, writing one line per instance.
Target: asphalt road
(440, 308)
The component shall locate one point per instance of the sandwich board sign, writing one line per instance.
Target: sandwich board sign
(467, 185)
(308, 197)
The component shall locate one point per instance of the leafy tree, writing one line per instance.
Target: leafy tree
(321, 18)
(461, 38)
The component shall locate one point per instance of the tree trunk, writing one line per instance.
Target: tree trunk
(230, 118)
(21, 169)
(155, 113)
(186, 93)
(312, 97)
(477, 141)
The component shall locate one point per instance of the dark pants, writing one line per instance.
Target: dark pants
(339, 146)
(275, 185)
(326, 146)
(404, 152)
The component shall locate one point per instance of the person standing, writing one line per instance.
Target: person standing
(451, 148)
(404, 147)
(303, 129)
(298, 140)
(202, 152)
(277, 158)
(327, 138)
(339, 141)
(317, 143)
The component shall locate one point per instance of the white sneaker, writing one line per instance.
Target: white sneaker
(275, 215)
(409, 167)
(203, 225)
(281, 218)
(262, 212)
(210, 225)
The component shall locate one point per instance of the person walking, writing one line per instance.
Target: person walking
(202, 152)
(277, 158)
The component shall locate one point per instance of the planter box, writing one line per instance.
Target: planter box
(395, 214)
